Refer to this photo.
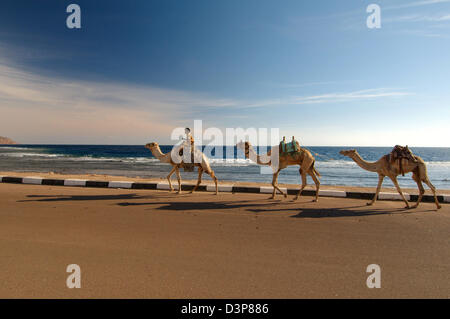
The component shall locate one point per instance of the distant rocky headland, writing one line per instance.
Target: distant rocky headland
(6, 140)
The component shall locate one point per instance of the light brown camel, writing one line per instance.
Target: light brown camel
(384, 168)
(303, 158)
(167, 158)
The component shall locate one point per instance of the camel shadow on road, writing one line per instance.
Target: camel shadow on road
(133, 200)
(351, 211)
(63, 198)
(197, 205)
(345, 212)
(253, 206)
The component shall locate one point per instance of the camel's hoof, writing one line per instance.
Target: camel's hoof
(369, 204)
(296, 198)
(272, 197)
(439, 207)
(285, 195)
(315, 200)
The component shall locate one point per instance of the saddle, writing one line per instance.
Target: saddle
(188, 167)
(399, 153)
(290, 148)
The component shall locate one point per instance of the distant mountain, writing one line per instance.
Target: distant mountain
(6, 140)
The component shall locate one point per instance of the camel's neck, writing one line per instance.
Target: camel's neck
(368, 166)
(260, 160)
(156, 151)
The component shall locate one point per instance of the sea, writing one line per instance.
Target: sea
(228, 163)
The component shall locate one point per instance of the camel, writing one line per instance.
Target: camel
(303, 158)
(384, 168)
(167, 158)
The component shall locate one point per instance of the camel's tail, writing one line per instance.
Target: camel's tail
(315, 171)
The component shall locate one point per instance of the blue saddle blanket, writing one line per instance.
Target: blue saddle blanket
(290, 147)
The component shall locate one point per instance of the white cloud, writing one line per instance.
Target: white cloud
(333, 97)
(416, 4)
(419, 18)
(38, 109)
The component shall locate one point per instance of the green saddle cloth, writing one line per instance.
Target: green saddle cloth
(290, 147)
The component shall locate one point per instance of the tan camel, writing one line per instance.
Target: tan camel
(167, 158)
(384, 168)
(303, 158)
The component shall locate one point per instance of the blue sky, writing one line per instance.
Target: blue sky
(138, 69)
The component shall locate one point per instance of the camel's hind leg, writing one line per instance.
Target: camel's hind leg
(316, 181)
(168, 178)
(303, 175)
(423, 176)
(433, 189)
(275, 185)
(199, 180)
(179, 179)
(394, 180)
(416, 178)
(380, 182)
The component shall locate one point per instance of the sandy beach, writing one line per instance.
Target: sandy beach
(156, 244)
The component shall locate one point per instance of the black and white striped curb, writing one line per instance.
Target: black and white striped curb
(211, 188)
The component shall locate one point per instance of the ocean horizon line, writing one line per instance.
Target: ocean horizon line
(231, 145)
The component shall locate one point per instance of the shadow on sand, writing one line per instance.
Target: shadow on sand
(161, 205)
(338, 211)
(183, 206)
(344, 212)
(255, 206)
(63, 198)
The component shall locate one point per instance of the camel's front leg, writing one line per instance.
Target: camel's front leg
(168, 178)
(275, 185)
(394, 180)
(303, 175)
(199, 180)
(380, 181)
(179, 180)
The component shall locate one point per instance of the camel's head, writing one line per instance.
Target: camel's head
(241, 145)
(244, 146)
(151, 145)
(348, 153)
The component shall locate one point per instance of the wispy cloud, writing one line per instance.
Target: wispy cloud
(301, 85)
(330, 98)
(415, 4)
(419, 18)
(36, 108)
(425, 22)
(351, 96)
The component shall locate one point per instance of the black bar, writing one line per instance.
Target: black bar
(359, 195)
(241, 189)
(227, 308)
(14, 180)
(97, 184)
(53, 182)
(143, 186)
